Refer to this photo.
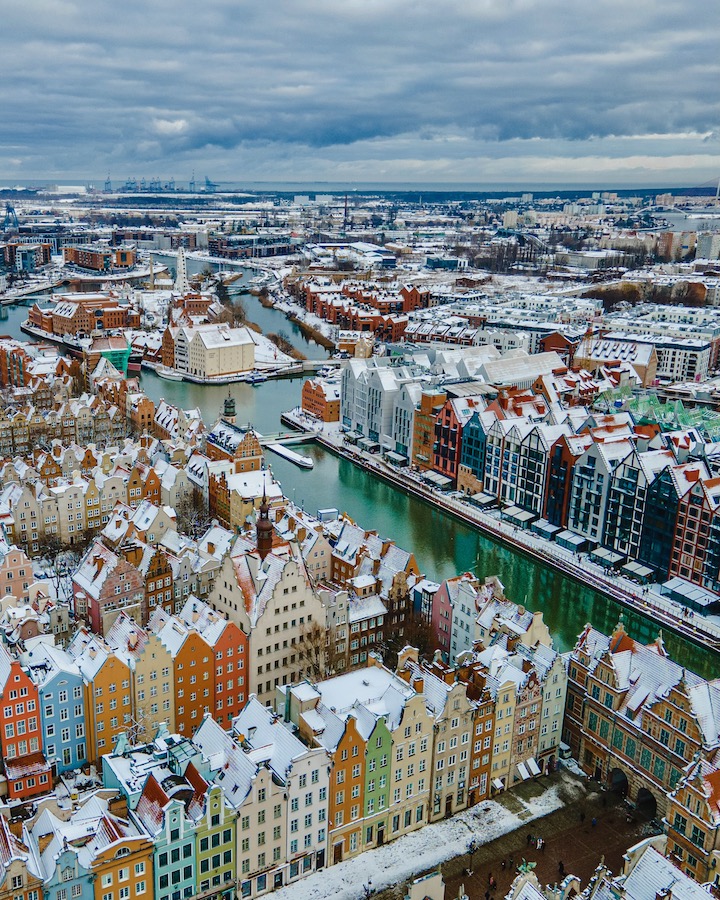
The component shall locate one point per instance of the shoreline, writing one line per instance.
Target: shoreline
(698, 630)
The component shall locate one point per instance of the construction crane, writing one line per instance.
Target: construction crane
(11, 219)
(108, 185)
(210, 186)
(191, 186)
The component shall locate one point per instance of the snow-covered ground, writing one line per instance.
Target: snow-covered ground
(426, 848)
(267, 354)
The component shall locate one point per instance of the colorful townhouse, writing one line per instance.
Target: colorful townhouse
(21, 739)
(20, 875)
(378, 732)
(61, 696)
(303, 772)
(58, 845)
(453, 716)
(108, 693)
(120, 854)
(192, 670)
(168, 823)
(150, 664)
(636, 719)
(229, 644)
(244, 793)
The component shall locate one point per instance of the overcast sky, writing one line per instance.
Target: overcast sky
(483, 91)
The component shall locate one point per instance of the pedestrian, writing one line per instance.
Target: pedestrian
(493, 883)
(582, 816)
(542, 845)
(511, 863)
(487, 895)
(594, 822)
(561, 868)
(503, 865)
(529, 839)
(490, 879)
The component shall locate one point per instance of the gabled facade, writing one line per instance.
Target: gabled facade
(21, 739)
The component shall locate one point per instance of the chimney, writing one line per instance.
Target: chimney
(301, 534)
(418, 684)
(663, 893)
(132, 640)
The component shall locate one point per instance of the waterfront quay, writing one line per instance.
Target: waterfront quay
(663, 612)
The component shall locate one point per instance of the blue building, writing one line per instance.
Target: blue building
(472, 453)
(173, 834)
(62, 705)
(58, 846)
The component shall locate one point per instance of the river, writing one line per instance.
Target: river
(443, 546)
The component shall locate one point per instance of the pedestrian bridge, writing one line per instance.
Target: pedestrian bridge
(287, 437)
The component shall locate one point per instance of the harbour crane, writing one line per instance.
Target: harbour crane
(11, 219)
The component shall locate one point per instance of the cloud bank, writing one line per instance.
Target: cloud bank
(524, 91)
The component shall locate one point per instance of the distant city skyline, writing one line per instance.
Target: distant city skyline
(517, 92)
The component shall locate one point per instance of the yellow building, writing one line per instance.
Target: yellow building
(151, 666)
(108, 697)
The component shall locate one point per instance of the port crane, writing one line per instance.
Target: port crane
(11, 219)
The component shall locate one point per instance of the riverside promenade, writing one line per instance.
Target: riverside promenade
(700, 630)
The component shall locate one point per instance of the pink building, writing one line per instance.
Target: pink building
(16, 574)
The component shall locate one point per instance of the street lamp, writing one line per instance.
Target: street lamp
(472, 847)
(368, 889)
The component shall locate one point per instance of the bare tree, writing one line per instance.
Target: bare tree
(312, 651)
(192, 514)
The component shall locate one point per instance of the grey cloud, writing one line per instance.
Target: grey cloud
(171, 83)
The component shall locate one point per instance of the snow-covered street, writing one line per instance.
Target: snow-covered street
(429, 846)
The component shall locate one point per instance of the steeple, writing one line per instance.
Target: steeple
(264, 528)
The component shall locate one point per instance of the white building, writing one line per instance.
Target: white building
(304, 775)
(208, 351)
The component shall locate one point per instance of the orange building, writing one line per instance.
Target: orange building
(431, 402)
(229, 645)
(321, 399)
(347, 780)
(122, 860)
(108, 702)
(193, 669)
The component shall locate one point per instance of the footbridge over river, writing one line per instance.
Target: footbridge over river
(287, 438)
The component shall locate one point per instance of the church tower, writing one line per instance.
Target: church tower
(229, 409)
(264, 529)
